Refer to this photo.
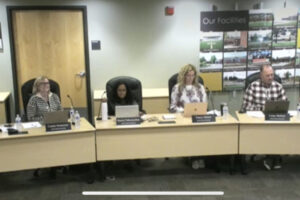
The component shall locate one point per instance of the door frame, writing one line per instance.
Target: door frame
(10, 10)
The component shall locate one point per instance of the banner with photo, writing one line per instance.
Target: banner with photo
(271, 37)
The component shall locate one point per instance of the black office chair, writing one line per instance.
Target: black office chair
(173, 81)
(255, 76)
(26, 91)
(134, 85)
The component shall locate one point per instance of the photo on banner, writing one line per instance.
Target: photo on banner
(258, 58)
(211, 41)
(260, 19)
(234, 80)
(287, 76)
(235, 41)
(260, 39)
(211, 61)
(284, 58)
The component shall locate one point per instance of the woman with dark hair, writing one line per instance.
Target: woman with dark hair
(121, 96)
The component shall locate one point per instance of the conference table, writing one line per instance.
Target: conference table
(38, 148)
(258, 136)
(153, 140)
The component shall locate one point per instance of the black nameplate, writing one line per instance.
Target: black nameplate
(277, 117)
(58, 127)
(203, 118)
(128, 121)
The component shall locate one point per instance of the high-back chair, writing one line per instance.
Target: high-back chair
(26, 91)
(134, 85)
(255, 76)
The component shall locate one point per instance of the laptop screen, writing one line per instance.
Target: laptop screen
(127, 111)
(191, 109)
(56, 117)
(276, 107)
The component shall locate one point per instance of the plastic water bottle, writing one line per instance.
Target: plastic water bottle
(72, 115)
(298, 111)
(77, 119)
(18, 122)
(225, 112)
(104, 110)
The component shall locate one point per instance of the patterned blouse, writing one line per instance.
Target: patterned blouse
(37, 106)
(189, 94)
(258, 93)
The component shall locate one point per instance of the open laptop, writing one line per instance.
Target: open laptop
(127, 111)
(191, 109)
(281, 107)
(56, 117)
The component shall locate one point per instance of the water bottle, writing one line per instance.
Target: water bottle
(225, 112)
(298, 111)
(104, 110)
(18, 122)
(77, 119)
(72, 115)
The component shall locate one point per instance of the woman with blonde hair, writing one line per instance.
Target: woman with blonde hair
(42, 100)
(187, 89)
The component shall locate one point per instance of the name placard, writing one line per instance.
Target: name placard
(203, 118)
(128, 121)
(277, 117)
(58, 127)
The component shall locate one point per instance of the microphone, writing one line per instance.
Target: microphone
(211, 99)
(101, 100)
(72, 105)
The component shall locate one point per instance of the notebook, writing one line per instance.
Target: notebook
(191, 109)
(56, 117)
(276, 107)
(127, 111)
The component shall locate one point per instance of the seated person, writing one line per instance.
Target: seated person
(121, 96)
(187, 89)
(255, 97)
(42, 100)
(266, 88)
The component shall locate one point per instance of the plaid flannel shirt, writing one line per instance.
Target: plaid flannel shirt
(258, 93)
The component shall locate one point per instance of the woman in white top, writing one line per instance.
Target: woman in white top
(187, 89)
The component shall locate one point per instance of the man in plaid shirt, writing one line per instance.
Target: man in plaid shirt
(258, 92)
(256, 95)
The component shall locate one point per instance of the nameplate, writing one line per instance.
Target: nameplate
(203, 118)
(58, 127)
(128, 121)
(277, 117)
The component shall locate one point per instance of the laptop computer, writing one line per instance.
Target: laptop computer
(281, 107)
(191, 109)
(56, 117)
(127, 111)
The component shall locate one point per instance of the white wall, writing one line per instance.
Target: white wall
(137, 39)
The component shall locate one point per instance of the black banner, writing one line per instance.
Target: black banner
(225, 20)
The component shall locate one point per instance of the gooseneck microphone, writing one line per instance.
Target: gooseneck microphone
(210, 99)
(72, 105)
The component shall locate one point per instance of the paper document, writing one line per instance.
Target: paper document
(214, 112)
(257, 114)
(28, 125)
(293, 112)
